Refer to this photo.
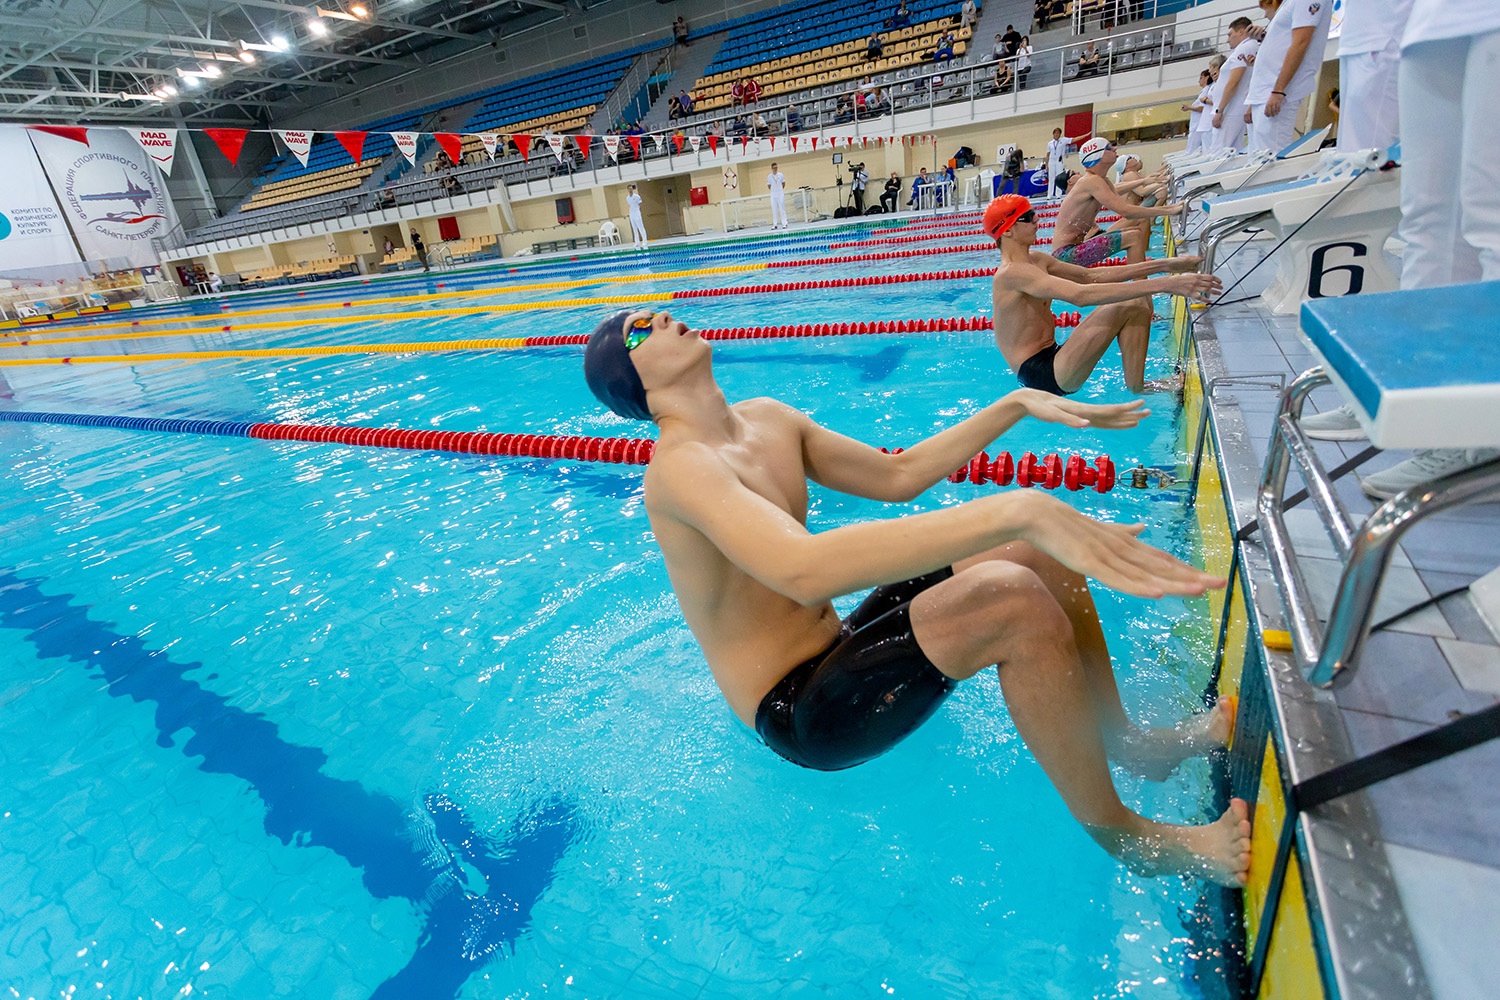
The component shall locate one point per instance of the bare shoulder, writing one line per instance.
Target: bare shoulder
(765, 410)
(677, 470)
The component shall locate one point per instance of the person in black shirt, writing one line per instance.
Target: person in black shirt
(892, 192)
(1011, 39)
(420, 248)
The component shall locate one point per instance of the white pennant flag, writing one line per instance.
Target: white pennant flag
(300, 143)
(612, 146)
(695, 141)
(159, 143)
(556, 142)
(491, 142)
(661, 142)
(406, 142)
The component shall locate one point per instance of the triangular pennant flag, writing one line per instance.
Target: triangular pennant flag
(584, 143)
(491, 142)
(677, 141)
(612, 146)
(661, 142)
(230, 141)
(78, 133)
(862, 140)
(695, 141)
(713, 143)
(744, 141)
(794, 143)
(159, 143)
(815, 143)
(523, 143)
(298, 142)
(773, 144)
(406, 142)
(353, 143)
(452, 144)
(635, 144)
(556, 142)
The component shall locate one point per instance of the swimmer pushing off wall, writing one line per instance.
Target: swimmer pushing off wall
(997, 581)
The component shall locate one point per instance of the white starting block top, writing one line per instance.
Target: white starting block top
(1262, 168)
(1419, 366)
(1302, 195)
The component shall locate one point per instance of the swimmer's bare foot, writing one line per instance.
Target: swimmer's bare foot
(1217, 851)
(1154, 754)
(1172, 383)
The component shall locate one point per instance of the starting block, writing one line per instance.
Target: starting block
(1260, 167)
(1334, 222)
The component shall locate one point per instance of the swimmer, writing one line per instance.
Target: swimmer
(1077, 239)
(1028, 280)
(998, 581)
(1140, 189)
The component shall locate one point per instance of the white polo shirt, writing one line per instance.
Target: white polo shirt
(1244, 57)
(1057, 150)
(634, 201)
(776, 181)
(1203, 121)
(1371, 25)
(1436, 20)
(1314, 14)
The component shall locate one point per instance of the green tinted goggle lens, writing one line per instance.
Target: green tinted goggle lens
(638, 332)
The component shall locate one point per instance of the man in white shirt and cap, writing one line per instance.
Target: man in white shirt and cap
(776, 181)
(637, 224)
(1286, 68)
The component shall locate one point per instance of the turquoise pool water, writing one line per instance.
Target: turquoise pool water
(305, 720)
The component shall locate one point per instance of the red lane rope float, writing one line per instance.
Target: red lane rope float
(797, 286)
(1073, 473)
(788, 330)
(622, 451)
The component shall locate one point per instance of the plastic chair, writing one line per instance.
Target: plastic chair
(609, 234)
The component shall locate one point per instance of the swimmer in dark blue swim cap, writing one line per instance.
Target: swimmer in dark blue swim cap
(998, 581)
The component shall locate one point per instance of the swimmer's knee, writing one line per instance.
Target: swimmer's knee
(1011, 597)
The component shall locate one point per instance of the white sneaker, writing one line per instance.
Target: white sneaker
(1424, 466)
(1335, 425)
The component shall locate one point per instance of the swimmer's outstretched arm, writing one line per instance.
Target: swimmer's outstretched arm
(1047, 281)
(694, 486)
(1111, 199)
(1115, 275)
(849, 466)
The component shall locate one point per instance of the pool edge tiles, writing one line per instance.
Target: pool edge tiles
(1339, 928)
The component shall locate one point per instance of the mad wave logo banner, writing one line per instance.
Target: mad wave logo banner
(300, 144)
(158, 143)
(33, 230)
(113, 197)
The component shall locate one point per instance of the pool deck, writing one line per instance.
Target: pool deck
(1439, 825)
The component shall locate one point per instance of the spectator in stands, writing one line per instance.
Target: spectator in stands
(1012, 40)
(968, 15)
(739, 126)
(892, 192)
(737, 93)
(1286, 68)
(451, 186)
(420, 249)
(685, 101)
(843, 112)
(386, 199)
(902, 17)
(752, 90)
(674, 109)
(1041, 14)
(1088, 60)
(917, 184)
(944, 51)
(1023, 61)
(861, 101)
(1004, 79)
(793, 118)
(874, 48)
(443, 162)
(389, 247)
(997, 52)
(759, 126)
(680, 31)
(878, 104)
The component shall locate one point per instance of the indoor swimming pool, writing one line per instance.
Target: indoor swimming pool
(297, 719)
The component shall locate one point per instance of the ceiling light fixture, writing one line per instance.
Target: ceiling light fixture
(211, 71)
(279, 43)
(248, 58)
(359, 10)
(317, 28)
(336, 14)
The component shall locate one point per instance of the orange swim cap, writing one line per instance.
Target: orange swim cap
(1003, 212)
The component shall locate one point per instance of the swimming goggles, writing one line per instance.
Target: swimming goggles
(638, 331)
(1027, 216)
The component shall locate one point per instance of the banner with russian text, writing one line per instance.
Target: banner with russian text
(33, 231)
(113, 197)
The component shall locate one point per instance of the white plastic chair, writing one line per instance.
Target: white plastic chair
(609, 234)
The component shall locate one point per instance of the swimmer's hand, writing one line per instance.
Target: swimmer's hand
(1057, 410)
(1194, 286)
(1183, 263)
(1111, 553)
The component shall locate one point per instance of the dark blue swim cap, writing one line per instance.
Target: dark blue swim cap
(609, 371)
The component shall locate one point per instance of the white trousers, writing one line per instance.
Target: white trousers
(1054, 167)
(1228, 135)
(637, 228)
(1369, 101)
(1195, 140)
(778, 210)
(1450, 161)
(1274, 132)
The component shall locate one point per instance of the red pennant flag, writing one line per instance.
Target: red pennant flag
(635, 144)
(677, 141)
(815, 143)
(230, 141)
(773, 144)
(523, 143)
(353, 143)
(77, 133)
(794, 143)
(452, 144)
(713, 143)
(584, 142)
(744, 141)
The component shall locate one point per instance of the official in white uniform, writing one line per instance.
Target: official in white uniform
(1369, 51)
(1196, 109)
(637, 224)
(1234, 79)
(1057, 155)
(776, 181)
(1286, 70)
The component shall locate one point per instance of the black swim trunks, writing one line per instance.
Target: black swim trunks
(868, 691)
(1036, 372)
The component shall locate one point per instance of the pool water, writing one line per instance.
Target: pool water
(294, 719)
